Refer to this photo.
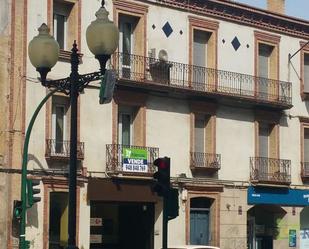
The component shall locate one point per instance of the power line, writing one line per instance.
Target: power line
(40, 172)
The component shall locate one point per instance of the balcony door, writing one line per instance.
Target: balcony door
(306, 145)
(262, 162)
(268, 164)
(306, 73)
(264, 72)
(127, 26)
(60, 30)
(264, 132)
(62, 12)
(59, 124)
(125, 135)
(130, 138)
(204, 151)
(200, 40)
(125, 128)
(306, 152)
(58, 127)
(199, 134)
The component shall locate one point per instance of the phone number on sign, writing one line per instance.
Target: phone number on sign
(135, 167)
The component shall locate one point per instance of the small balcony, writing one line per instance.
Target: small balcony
(130, 160)
(270, 170)
(193, 81)
(305, 171)
(205, 161)
(60, 150)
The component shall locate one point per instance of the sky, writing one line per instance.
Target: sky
(296, 8)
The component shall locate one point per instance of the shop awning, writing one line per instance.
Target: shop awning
(278, 196)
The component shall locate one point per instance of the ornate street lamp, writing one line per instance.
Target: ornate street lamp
(101, 47)
(102, 37)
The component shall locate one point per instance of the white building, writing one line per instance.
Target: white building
(229, 108)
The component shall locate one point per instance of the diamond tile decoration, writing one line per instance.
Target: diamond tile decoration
(235, 43)
(167, 29)
(181, 32)
(153, 26)
(223, 41)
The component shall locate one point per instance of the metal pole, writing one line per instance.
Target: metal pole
(291, 56)
(74, 80)
(165, 223)
(22, 236)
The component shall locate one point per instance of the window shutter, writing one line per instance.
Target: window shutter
(199, 48)
(273, 146)
(126, 129)
(209, 135)
(263, 61)
(199, 132)
(263, 140)
(306, 73)
(306, 145)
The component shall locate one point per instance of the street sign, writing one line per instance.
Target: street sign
(292, 238)
(96, 238)
(107, 87)
(96, 222)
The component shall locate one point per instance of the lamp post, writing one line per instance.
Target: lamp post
(102, 37)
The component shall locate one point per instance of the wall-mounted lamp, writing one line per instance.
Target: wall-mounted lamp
(228, 206)
(293, 211)
(240, 210)
(184, 195)
(291, 56)
(182, 175)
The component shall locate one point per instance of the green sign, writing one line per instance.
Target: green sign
(107, 87)
(134, 160)
(292, 238)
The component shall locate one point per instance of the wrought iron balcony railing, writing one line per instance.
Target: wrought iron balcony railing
(270, 170)
(60, 150)
(207, 161)
(305, 170)
(130, 160)
(217, 82)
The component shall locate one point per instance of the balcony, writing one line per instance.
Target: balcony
(193, 81)
(130, 160)
(270, 170)
(305, 171)
(60, 150)
(205, 161)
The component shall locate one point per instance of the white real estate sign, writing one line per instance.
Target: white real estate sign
(304, 239)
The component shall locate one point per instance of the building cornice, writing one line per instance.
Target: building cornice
(242, 14)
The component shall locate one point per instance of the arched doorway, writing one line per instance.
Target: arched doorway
(200, 209)
(304, 219)
(261, 225)
(304, 227)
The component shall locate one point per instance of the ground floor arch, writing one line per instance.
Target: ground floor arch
(262, 225)
(304, 228)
